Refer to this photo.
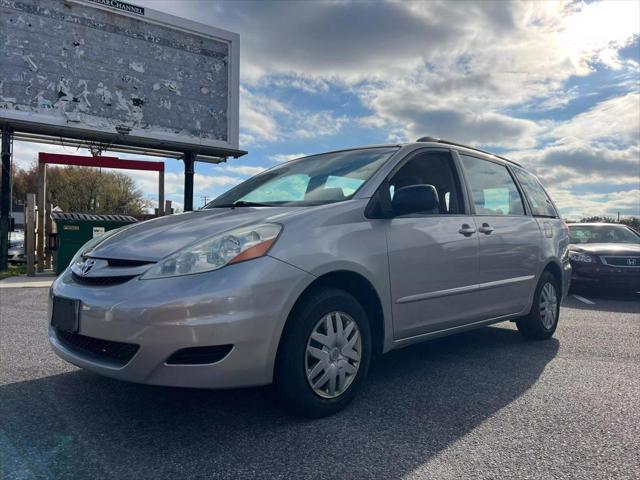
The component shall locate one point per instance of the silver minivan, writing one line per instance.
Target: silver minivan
(301, 274)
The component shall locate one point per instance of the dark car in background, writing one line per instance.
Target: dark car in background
(605, 255)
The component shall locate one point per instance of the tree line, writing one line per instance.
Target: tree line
(83, 190)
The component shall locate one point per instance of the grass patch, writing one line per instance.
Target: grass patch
(13, 270)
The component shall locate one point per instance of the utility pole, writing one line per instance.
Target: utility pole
(205, 199)
(5, 197)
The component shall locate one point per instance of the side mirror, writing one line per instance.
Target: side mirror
(415, 199)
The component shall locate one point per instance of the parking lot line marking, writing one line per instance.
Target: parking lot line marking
(584, 300)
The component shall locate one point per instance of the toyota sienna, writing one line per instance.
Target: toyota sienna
(301, 274)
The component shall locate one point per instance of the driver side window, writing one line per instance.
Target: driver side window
(434, 169)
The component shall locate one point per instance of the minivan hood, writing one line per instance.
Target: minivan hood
(155, 239)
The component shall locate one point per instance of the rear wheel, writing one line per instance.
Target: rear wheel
(542, 320)
(324, 354)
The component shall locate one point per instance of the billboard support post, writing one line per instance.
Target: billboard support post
(161, 193)
(5, 198)
(189, 160)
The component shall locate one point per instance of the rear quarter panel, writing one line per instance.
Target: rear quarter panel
(555, 248)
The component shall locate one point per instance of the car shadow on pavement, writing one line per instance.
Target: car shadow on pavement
(417, 401)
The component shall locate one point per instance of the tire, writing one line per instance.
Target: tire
(300, 356)
(542, 320)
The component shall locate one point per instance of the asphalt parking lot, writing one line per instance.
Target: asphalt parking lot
(483, 404)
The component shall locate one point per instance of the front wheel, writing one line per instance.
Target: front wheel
(324, 354)
(542, 320)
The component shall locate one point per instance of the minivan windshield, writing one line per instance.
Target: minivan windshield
(315, 180)
(602, 234)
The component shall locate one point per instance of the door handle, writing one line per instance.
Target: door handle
(486, 229)
(466, 230)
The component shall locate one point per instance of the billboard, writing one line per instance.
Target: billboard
(112, 71)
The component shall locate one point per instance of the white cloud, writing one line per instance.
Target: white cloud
(616, 119)
(257, 117)
(573, 162)
(25, 154)
(598, 146)
(242, 169)
(285, 157)
(576, 206)
(415, 113)
(596, 31)
(174, 182)
(319, 124)
(356, 41)
(265, 120)
(305, 84)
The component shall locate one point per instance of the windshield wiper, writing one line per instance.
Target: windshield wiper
(242, 203)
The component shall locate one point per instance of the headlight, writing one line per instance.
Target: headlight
(91, 244)
(216, 252)
(580, 257)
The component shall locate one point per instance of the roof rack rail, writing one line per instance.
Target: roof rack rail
(449, 142)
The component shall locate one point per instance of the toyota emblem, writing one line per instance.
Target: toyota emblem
(87, 265)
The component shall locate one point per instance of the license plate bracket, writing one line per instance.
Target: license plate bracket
(65, 314)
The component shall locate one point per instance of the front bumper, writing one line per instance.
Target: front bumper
(16, 258)
(244, 305)
(605, 276)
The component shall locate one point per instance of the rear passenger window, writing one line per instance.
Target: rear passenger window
(493, 190)
(541, 204)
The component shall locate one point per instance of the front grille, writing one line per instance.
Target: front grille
(117, 353)
(621, 261)
(199, 355)
(101, 281)
(116, 262)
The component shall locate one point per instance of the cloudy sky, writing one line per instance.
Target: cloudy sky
(553, 85)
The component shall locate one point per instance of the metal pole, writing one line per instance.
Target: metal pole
(189, 161)
(30, 234)
(5, 198)
(42, 216)
(48, 230)
(161, 211)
